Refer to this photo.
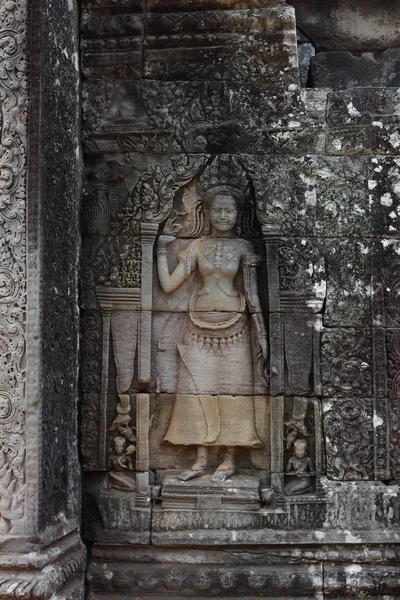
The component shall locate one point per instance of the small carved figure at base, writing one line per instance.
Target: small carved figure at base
(299, 466)
(122, 476)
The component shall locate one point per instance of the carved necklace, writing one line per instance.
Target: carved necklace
(218, 253)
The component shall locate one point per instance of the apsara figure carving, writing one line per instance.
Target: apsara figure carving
(214, 402)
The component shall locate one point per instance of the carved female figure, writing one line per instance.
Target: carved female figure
(214, 404)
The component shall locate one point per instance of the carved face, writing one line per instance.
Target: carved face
(119, 444)
(223, 213)
(300, 448)
(4, 407)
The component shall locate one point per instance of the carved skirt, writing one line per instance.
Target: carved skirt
(214, 403)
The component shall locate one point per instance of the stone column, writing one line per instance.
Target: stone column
(42, 554)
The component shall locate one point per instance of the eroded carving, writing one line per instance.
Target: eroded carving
(349, 441)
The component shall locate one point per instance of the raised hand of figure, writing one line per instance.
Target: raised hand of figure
(164, 240)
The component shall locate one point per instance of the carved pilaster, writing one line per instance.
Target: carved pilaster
(148, 236)
(42, 555)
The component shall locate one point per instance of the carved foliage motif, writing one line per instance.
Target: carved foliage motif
(394, 439)
(13, 96)
(393, 346)
(346, 362)
(349, 439)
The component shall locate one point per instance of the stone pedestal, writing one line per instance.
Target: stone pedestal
(236, 493)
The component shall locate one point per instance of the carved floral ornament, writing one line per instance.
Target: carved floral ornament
(13, 95)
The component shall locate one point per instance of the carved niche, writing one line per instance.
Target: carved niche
(187, 340)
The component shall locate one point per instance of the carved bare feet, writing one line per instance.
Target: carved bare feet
(226, 469)
(198, 468)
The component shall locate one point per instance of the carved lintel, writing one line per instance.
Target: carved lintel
(142, 431)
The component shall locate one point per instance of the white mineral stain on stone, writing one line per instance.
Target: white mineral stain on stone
(372, 184)
(318, 326)
(374, 160)
(351, 109)
(386, 199)
(377, 124)
(294, 124)
(320, 289)
(350, 539)
(319, 535)
(311, 197)
(377, 421)
(378, 169)
(394, 139)
(392, 215)
(353, 569)
(324, 173)
(336, 144)
(310, 181)
(396, 188)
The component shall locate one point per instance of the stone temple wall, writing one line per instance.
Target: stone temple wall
(184, 101)
(233, 219)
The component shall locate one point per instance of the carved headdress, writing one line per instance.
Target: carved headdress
(224, 176)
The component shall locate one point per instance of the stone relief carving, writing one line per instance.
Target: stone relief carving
(349, 439)
(214, 404)
(13, 98)
(299, 466)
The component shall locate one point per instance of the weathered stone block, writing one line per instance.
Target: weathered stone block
(112, 39)
(384, 194)
(324, 194)
(342, 25)
(339, 70)
(238, 45)
(390, 252)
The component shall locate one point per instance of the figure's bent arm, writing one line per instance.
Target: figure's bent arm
(250, 288)
(169, 282)
(253, 302)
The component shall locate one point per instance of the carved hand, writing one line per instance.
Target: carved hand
(164, 240)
